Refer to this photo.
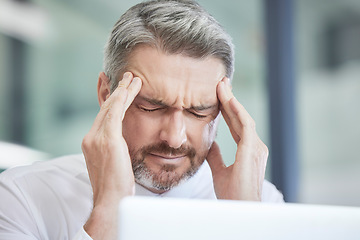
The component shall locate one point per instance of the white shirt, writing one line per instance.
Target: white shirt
(53, 199)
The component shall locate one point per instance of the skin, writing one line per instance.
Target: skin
(159, 100)
(178, 100)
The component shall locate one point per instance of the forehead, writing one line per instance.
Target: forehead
(176, 79)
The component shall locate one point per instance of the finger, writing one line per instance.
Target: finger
(247, 130)
(230, 104)
(121, 99)
(111, 110)
(120, 93)
(235, 136)
(133, 91)
(235, 115)
(215, 160)
(225, 95)
(240, 112)
(109, 101)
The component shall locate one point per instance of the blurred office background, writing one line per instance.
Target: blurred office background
(51, 55)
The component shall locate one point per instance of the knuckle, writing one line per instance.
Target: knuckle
(101, 143)
(252, 123)
(109, 115)
(265, 150)
(87, 142)
(105, 106)
(249, 124)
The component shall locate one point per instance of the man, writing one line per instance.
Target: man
(168, 66)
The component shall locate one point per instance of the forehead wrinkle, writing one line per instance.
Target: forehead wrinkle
(154, 94)
(138, 73)
(156, 82)
(181, 101)
(158, 102)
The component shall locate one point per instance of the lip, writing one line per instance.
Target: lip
(169, 157)
(161, 159)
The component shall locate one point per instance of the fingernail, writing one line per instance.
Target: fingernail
(127, 75)
(227, 81)
(136, 80)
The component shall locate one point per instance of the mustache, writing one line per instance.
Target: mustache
(164, 148)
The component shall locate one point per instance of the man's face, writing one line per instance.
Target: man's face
(171, 124)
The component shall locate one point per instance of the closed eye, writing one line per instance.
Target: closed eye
(150, 109)
(197, 115)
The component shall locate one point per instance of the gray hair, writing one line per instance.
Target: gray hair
(175, 27)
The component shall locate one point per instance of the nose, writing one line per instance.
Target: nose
(173, 129)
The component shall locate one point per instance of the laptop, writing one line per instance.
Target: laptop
(168, 218)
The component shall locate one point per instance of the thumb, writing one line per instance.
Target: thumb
(215, 160)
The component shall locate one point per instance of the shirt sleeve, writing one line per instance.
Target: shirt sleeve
(16, 221)
(271, 194)
(82, 235)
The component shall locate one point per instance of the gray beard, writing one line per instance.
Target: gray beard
(163, 181)
(166, 178)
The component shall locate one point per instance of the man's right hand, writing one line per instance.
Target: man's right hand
(107, 158)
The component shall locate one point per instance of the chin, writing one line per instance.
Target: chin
(164, 179)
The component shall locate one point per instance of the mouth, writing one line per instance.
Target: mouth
(168, 158)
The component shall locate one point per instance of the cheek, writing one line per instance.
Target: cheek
(209, 134)
(202, 134)
(139, 130)
(213, 125)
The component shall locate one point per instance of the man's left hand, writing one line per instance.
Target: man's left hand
(242, 180)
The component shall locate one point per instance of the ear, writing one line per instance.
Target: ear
(103, 88)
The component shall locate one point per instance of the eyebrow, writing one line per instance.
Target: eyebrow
(162, 104)
(204, 107)
(153, 101)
